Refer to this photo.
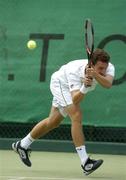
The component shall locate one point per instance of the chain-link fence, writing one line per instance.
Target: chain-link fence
(104, 134)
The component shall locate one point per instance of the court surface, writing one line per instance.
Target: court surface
(59, 166)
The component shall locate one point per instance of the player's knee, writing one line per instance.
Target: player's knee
(56, 125)
(76, 117)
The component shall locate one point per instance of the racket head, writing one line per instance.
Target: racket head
(89, 38)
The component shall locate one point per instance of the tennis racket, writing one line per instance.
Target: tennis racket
(89, 39)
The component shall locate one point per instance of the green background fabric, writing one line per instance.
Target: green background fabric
(26, 99)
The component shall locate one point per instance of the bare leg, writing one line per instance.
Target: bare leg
(75, 115)
(44, 126)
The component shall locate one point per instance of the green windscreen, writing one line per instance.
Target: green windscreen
(57, 26)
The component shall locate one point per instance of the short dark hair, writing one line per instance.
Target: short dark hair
(100, 55)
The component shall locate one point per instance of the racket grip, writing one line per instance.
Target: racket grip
(89, 85)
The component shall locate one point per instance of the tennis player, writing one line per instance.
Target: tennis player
(69, 86)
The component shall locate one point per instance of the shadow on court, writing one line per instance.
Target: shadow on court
(59, 166)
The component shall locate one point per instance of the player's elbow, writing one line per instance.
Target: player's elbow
(107, 85)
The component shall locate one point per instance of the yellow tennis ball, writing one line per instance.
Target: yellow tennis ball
(31, 44)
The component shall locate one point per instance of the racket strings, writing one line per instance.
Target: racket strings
(89, 38)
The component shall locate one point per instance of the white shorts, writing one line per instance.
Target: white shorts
(61, 95)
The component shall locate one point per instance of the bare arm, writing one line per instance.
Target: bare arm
(77, 96)
(105, 81)
(102, 79)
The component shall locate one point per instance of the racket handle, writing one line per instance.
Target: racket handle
(89, 85)
(89, 64)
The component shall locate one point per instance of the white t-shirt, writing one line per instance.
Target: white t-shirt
(71, 75)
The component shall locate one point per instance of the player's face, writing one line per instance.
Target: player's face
(100, 67)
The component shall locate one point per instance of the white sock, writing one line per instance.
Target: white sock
(82, 154)
(27, 141)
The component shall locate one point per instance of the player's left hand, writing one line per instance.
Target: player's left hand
(88, 81)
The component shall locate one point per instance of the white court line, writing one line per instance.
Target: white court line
(38, 178)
